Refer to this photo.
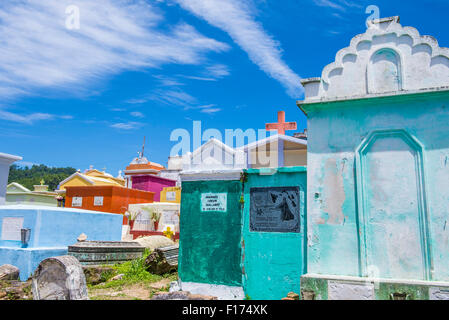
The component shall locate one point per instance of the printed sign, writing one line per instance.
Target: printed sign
(98, 201)
(275, 210)
(214, 202)
(11, 228)
(171, 196)
(77, 201)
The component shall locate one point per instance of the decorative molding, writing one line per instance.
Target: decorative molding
(424, 64)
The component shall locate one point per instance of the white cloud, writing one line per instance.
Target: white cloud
(37, 50)
(127, 125)
(341, 5)
(173, 97)
(137, 114)
(218, 71)
(211, 73)
(210, 110)
(236, 18)
(30, 118)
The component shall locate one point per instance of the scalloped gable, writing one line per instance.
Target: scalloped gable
(386, 59)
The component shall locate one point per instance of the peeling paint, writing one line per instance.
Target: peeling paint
(334, 193)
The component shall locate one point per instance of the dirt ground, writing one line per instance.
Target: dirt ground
(138, 291)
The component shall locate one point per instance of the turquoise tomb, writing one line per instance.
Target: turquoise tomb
(378, 178)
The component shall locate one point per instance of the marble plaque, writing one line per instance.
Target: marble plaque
(77, 202)
(350, 291)
(275, 209)
(439, 294)
(214, 202)
(171, 196)
(171, 217)
(11, 228)
(98, 201)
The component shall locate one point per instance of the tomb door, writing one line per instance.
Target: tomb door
(273, 240)
(393, 210)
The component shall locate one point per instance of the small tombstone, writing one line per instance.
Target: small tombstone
(59, 278)
(9, 272)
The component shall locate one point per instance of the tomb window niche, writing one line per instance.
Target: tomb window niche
(384, 72)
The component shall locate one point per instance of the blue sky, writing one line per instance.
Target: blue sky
(144, 68)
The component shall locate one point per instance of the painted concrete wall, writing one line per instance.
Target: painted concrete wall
(31, 199)
(378, 188)
(152, 183)
(5, 161)
(176, 191)
(317, 287)
(274, 262)
(293, 158)
(115, 199)
(52, 231)
(210, 242)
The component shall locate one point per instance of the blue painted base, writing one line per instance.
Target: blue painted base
(28, 259)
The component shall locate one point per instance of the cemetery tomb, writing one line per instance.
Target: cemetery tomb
(30, 234)
(210, 221)
(377, 174)
(274, 225)
(105, 252)
(5, 161)
(144, 225)
(171, 194)
(144, 175)
(18, 194)
(111, 199)
(210, 238)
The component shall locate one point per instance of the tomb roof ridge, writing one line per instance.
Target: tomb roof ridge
(371, 32)
(385, 34)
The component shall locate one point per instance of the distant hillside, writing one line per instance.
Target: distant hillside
(28, 177)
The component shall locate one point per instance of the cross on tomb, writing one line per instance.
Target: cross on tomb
(281, 126)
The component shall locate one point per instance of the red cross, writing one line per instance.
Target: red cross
(281, 126)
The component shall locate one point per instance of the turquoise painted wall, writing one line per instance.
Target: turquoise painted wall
(378, 187)
(274, 262)
(210, 242)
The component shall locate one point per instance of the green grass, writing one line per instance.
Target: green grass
(134, 272)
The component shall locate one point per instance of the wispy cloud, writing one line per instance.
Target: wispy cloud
(127, 125)
(210, 110)
(38, 51)
(210, 73)
(341, 5)
(137, 114)
(173, 97)
(237, 19)
(30, 118)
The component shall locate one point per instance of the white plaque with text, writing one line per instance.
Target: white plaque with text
(11, 228)
(214, 202)
(77, 201)
(98, 201)
(171, 196)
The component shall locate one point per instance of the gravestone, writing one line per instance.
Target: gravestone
(59, 278)
(105, 252)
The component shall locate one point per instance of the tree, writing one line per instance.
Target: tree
(28, 177)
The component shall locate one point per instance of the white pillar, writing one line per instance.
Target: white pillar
(5, 161)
